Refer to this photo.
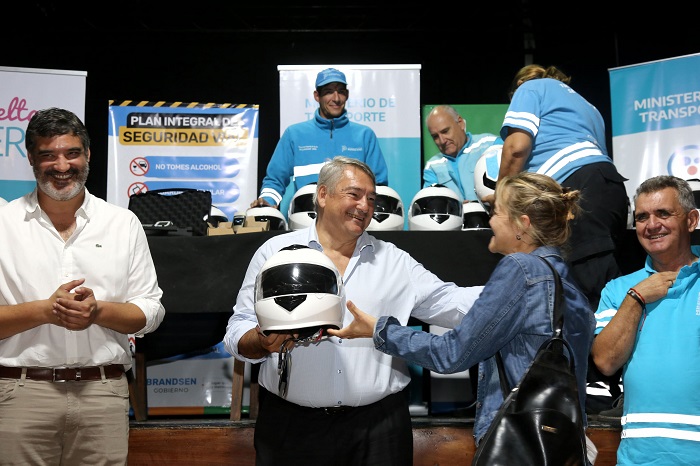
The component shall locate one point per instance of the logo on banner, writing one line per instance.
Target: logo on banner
(685, 162)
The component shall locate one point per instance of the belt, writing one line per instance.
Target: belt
(51, 374)
(334, 410)
(280, 402)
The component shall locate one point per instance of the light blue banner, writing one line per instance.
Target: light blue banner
(656, 119)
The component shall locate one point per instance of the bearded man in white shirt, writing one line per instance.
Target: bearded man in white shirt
(76, 278)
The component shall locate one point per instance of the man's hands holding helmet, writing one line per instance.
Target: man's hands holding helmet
(272, 343)
(255, 344)
(361, 327)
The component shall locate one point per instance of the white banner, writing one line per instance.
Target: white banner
(23, 91)
(384, 97)
(656, 119)
(158, 145)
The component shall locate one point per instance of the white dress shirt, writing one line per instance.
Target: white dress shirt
(108, 248)
(380, 279)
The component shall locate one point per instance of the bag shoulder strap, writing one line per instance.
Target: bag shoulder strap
(557, 325)
(557, 314)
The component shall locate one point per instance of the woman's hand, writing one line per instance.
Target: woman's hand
(361, 327)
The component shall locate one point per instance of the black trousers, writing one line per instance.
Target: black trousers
(597, 232)
(377, 434)
(595, 239)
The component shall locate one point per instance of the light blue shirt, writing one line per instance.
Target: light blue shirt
(567, 131)
(661, 412)
(380, 279)
(512, 315)
(457, 173)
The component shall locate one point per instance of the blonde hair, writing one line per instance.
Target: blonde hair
(526, 73)
(549, 206)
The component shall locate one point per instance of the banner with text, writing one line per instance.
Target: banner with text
(384, 97)
(159, 145)
(656, 119)
(23, 91)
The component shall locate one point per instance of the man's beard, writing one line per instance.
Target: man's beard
(44, 183)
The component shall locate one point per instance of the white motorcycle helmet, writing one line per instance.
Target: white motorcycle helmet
(302, 212)
(474, 216)
(388, 210)
(271, 214)
(436, 207)
(695, 186)
(298, 290)
(216, 216)
(486, 172)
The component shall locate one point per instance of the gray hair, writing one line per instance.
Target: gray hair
(448, 109)
(332, 172)
(657, 183)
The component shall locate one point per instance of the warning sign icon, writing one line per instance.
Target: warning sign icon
(139, 166)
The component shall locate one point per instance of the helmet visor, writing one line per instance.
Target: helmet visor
(287, 279)
(437, 205)
(387, 205)
(303, 203)
(276, 223)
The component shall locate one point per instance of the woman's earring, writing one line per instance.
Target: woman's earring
(518, 237)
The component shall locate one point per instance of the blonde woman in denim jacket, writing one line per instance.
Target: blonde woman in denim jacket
(530, 219)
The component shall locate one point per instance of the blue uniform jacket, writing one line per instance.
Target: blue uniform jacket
(305, 147)
(457, 173)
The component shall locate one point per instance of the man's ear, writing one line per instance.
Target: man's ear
(321, 195)
(462, 123)
(693, 217)
(87, 155)
(317, 97)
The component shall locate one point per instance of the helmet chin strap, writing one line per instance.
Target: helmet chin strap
(284, 363)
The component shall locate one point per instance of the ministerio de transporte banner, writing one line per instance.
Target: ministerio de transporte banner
(384, 97)
(656, 119)
(159, 145)
(23, 91)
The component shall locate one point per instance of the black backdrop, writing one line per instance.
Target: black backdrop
(223, 51)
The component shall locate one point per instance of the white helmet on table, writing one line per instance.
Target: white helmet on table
(474, 216)
(388, 210)
(271, 214)
(436, 207)
(302, 212)
(215, 216)
(298, 290)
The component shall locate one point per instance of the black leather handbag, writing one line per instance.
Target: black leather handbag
(540, 422)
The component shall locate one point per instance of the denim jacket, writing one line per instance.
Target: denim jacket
(512, 315)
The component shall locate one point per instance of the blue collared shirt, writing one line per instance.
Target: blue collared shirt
(661, 412)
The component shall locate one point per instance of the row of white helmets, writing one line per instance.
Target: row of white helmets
(435, 207)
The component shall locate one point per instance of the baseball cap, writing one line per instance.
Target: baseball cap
(330, 75)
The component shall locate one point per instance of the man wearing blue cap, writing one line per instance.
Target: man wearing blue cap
(305, 147)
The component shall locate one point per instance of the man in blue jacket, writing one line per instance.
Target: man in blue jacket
(459, 151)
(305, 147)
